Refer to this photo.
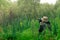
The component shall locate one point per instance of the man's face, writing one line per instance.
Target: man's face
(45, 19)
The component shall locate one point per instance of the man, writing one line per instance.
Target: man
(43, 22)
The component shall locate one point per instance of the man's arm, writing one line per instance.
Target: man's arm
(39, 20)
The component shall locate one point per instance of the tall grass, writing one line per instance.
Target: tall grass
(28, 30)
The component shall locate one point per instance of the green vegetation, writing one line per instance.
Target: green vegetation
(20, 20)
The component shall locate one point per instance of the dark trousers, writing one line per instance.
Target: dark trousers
(42, 28)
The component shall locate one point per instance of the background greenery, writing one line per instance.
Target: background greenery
(20, 19)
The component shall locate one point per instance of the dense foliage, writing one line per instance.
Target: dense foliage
(20, 19)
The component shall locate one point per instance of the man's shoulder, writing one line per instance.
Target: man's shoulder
(40, 20)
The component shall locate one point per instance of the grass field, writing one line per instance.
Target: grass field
(19, 20)
(28, 30)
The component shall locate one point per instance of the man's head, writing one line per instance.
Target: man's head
(44, 18)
